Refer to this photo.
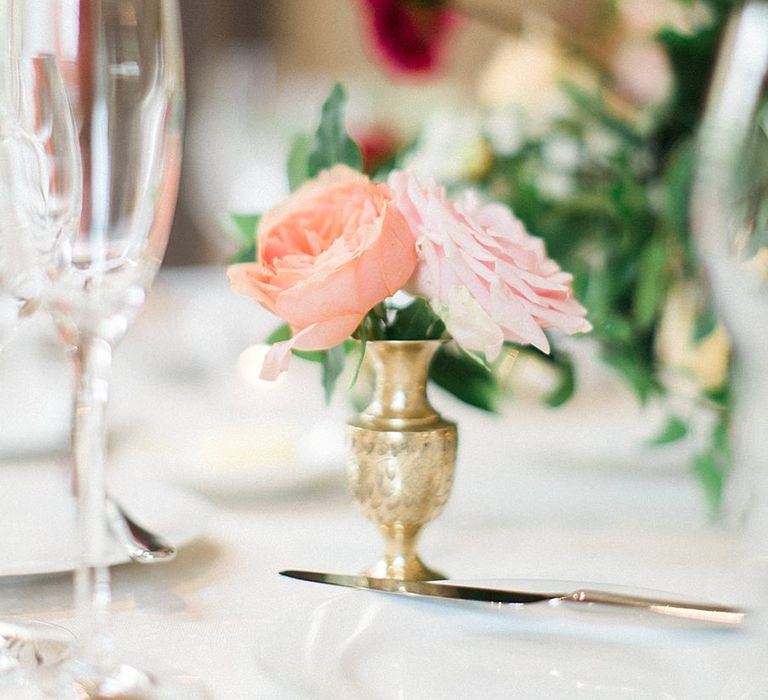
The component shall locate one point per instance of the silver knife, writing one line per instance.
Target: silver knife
(700, 612)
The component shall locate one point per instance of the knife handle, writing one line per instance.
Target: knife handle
(692, 611)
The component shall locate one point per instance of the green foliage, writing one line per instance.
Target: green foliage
(650, 290)
(246, 225)
(466, 379)
(282, 333)
(279, 335)
(329, 145)
(333, 366)
(298, 161)
(332, 144)
(691, 56)
(714, 462)
(417, 321)
(675, 429)
(622, 224)
(567, 384)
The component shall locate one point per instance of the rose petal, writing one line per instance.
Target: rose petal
(484, 250)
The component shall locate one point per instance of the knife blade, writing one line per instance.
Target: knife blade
(700, 612)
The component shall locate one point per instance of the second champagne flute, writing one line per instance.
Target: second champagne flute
(39, 204)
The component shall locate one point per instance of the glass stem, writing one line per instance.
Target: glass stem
(93, 365)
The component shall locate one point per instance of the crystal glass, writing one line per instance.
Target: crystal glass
(124, 66)
(39, 205)
(730, 216)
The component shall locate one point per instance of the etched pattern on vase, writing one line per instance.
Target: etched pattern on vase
(401, 455)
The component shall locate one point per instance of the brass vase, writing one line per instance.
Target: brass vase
(401, 455)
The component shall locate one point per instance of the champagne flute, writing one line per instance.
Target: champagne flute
(127, 99)
(730, 216)
(730, 220)
(39, 202)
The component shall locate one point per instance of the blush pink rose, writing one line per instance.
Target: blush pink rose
(326, 256)
(484, 275)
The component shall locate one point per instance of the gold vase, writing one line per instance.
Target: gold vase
(401, 455)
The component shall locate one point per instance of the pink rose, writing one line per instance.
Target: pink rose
(484, 275)
(326, 256)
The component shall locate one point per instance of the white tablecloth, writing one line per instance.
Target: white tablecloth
(538, 495)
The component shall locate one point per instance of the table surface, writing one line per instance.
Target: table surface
(539, 494)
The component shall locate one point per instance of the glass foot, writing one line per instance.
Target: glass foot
(32, 658)
(27, 645)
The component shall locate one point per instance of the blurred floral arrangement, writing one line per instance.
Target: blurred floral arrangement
(595, 153)
(592, 148)
(346, 258)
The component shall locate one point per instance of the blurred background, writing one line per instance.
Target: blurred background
(580, 115)
(258, 71)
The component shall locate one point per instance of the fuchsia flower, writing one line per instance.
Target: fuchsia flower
(409, 33)
(485, 276)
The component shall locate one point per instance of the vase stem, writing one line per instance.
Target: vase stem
(401, 560)
(401, 455)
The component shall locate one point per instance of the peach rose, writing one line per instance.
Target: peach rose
(326, 256)
(484, 275)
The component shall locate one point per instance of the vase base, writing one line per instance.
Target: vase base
(412, 569)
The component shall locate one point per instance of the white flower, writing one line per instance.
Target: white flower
(527, 71)
(449, 146)
(555, 185)
(504, 129)
(561, 153)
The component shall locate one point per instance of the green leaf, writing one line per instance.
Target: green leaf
(247, 225)
(720, 396)
(616, 329)
(283, 333)
(567, 385)
(594, 105)
(310, 355)
(280, 334)
(417, 321)
(333, 366)
(463, 377)
(677, 180)
(634, 371)
(709, 470)
(705, 323)
(245, 255)
(651, 282)
(713, 465)
(691, 57)
(363, 344)
(374, 325)
(332, 143)
(675, 429)
(298, 161)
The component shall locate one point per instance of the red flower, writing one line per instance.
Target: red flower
(409, 33)
(378, 143)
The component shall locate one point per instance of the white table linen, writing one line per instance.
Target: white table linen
(538, 495)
